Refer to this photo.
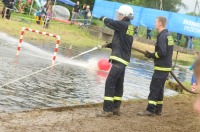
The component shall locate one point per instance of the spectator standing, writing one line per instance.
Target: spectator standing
(179, 37)
(83, 9)
(148, 33)
(75, 12)
(186, 40)
(190, 43)
(136, 31)
(87, 14)
(193, 79)
(8, 6)
(197, 75)
(48, 15)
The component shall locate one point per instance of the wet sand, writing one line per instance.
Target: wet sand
(178, 116)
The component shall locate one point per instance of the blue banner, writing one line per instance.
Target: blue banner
(180, 23)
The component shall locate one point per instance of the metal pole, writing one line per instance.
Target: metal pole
(31, 7)
(161, 5)
(195, 6)
(196, 11)
(53, 9)
(54, 2)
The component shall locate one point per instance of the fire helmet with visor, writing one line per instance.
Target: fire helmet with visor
(124, 11)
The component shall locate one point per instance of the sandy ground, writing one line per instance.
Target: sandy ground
(178, 116)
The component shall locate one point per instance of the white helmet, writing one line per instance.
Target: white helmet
(126, 11)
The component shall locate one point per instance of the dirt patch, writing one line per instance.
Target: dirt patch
(178, 116)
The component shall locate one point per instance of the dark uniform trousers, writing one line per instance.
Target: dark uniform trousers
(155, 98)
(8, 13)
(114, 87)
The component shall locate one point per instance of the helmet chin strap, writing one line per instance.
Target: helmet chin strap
(131, 17)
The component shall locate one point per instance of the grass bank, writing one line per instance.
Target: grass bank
(70, 35)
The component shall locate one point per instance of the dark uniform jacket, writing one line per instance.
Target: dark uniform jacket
(76, 8)
(8, 3)
(163, 51)
(122, 41)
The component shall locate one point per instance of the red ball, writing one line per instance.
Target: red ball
(104, 64)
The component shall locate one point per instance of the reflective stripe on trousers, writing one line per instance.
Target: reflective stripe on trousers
(162, 68)
(119, 60)
(155, 102)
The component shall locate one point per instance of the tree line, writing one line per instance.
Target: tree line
(167, 5)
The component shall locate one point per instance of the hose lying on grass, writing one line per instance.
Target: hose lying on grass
(173, 75)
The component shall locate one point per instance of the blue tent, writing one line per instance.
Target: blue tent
(67, 2)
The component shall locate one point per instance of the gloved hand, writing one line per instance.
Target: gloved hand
(101, 18)
(148, 54)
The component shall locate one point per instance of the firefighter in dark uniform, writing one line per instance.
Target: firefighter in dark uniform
(8, 6)
(121, 52)
(162, 66)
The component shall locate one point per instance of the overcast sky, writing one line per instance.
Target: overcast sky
(190, 4)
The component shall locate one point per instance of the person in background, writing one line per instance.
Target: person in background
(136, 31)
(186, 40)
(8, 6)
(193, 80)
(48, 15)
(87, 14)
(179, 37)
(190, 43)
(197, 75)
(83, 9)
(43, 11)
(75, 12)
(40, 14)
(148, 33)
(38, 17)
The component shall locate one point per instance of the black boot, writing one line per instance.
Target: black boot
(116, 109)
(159, 109)
(107, 109)
(146, 113)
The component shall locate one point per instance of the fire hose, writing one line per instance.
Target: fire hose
(173, 75)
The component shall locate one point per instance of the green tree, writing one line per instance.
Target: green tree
(192, 14)
(168, 5)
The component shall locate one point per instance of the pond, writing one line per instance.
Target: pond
(74, 82)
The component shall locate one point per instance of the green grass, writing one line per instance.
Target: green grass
(70, 35)
(175, 86)
(184, 63)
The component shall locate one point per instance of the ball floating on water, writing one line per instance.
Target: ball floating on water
(104, 64)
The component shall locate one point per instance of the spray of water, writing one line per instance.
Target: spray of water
(37, 50)
(34, 51)
(46, 68)
(25, 46)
